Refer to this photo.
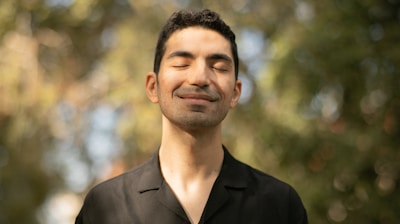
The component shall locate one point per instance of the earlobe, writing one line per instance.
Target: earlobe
(151, 87)
(236, 93)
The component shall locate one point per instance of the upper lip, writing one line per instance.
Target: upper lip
(198, 96)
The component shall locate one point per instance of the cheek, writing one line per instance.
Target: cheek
(228, 87)
(168, 83)
(231, 95)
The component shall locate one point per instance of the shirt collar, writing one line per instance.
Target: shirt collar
(234, 174)
(151, 178)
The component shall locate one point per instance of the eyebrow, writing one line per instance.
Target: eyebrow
(186, 54)
(218, 56)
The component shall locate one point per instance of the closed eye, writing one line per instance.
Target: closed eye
(180, 66)
(219, 69)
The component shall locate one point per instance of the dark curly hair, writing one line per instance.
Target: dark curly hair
(188, 18)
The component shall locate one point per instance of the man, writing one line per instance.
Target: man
(192, 178)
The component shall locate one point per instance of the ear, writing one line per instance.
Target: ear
(151, 87)
(236, 93)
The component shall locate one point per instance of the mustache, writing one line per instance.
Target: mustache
(205, 93)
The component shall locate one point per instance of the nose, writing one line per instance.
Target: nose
(200, 75)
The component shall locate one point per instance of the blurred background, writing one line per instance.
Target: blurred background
(320, 107)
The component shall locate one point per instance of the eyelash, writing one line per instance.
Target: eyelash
(212, 67)
(219, 69)
(180, 66)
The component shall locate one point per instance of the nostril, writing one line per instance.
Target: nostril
(200, 79)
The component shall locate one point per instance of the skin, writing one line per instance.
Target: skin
(195, 88)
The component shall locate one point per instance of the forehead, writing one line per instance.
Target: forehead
(198, 40)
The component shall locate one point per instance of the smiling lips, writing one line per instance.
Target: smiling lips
(196, 95)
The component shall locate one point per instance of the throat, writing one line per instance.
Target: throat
(191, 173)
(193, 196)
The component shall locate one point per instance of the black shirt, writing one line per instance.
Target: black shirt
(240, 194)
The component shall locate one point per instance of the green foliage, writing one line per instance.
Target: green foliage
(322, 105)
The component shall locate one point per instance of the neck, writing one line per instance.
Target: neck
(191, 154)
(190, 162)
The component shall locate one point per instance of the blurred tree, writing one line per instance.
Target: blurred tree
(345, 73)
(320, 107)
(327, 105)
(47, 50)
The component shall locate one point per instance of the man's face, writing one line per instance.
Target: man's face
(196, 83)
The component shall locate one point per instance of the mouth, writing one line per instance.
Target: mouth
(197, 97)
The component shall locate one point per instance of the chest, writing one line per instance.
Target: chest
(193, 197)
(221, 206)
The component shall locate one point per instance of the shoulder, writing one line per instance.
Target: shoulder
(261, 181)
(278, 194)
(113, 190)
(264, 184)
(265, 179)
(275, 188)
(110, 197)
(118, 183)
(274, 198)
